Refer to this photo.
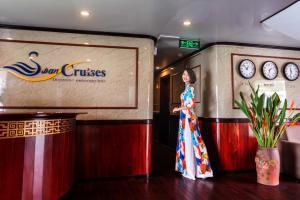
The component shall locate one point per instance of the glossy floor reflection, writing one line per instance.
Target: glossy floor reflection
(165, 184)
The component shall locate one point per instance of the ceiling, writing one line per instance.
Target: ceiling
(212, 20)
(287, 21)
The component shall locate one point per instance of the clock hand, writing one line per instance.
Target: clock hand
(269, 71)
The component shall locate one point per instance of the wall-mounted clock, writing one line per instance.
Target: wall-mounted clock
(247, 69)
(291, 71)
(269, 70)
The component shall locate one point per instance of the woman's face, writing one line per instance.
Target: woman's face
(185, 77)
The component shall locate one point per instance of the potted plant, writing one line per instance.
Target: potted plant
(268, 123)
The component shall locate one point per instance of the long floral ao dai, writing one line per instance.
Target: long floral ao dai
(188, 127)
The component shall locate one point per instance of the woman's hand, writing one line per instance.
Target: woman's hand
(175, 109)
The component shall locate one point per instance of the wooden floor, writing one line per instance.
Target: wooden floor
(165, 184)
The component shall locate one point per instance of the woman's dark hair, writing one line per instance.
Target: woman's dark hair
(192, 75)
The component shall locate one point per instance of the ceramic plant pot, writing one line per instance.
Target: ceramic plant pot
(267, 166)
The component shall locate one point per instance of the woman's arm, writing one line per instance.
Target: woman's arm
(180, 108)
(190, 102)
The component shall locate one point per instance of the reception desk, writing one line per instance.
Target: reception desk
(37, 155)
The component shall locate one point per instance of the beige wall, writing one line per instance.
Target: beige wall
(118, 89)
(216, 79)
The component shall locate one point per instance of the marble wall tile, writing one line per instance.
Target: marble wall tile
(118, 90)
(216, 79)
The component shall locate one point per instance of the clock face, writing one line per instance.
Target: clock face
(291, 71)
(269, 70)
(247, 69)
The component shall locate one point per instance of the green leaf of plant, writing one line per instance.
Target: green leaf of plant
(282, 113)
(296, 117)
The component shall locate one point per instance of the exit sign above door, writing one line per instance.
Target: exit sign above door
(189, 44)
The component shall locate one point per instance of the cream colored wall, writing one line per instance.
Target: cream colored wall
(145, 75)
(216, 81)
(224, 81)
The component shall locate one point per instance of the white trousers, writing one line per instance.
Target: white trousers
(189, 153)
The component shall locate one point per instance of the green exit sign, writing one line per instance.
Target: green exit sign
(190, 44)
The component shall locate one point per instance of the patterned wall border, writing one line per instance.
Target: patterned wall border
(29, 128)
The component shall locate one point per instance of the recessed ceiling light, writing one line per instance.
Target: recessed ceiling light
(187, 23)
(157, 67)
(84, 13)
(171, 68)
(9, 38)
(86, 43)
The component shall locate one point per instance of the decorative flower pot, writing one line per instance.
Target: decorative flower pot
(267, 166)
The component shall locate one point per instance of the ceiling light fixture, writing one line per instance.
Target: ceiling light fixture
(9, 38)
(157, 67)
(84, 13)
(187, 23)
(86, 43)
(171, 68)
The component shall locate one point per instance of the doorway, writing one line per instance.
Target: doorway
(164, 109)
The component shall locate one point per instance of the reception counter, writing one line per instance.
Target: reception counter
(37, 155)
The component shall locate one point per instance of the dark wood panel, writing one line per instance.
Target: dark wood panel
(59, 166)
(11, 168)
(209, 132)
(235, 146)
(39, 167)
(113, 150)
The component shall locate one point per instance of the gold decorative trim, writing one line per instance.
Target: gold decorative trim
(28, 128)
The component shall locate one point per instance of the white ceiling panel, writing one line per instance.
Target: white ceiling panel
(212, 20)
(287, 21)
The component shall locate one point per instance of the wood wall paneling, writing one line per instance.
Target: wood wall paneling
(234, 144)
(40, 167)
(111, 150)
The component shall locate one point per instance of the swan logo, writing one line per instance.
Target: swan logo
(34, 72)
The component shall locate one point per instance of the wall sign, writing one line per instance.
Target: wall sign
(189, 44)
(269, 87)
(36, 74)
(33, 71)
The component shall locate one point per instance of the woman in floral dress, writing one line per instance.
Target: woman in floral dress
(191, 153)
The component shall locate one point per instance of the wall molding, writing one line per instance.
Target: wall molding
(114, 122)
(224, 120)
(212, 119)
(195, 53)
(90, 32)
